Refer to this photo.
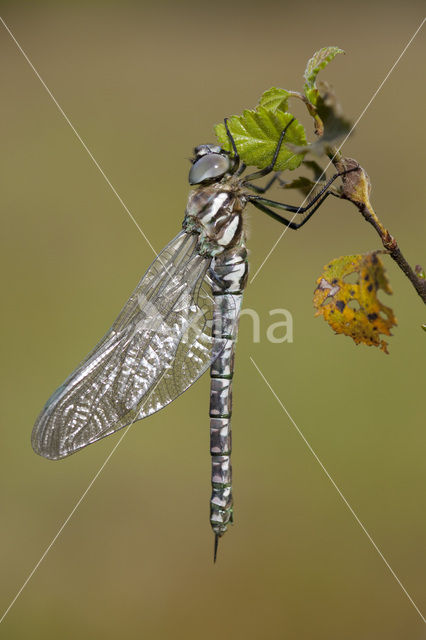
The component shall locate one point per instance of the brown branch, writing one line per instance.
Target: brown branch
(356, 189)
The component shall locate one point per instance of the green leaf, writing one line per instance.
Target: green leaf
(274, 99)
(319, 60)
(256, 135)
(311, 94)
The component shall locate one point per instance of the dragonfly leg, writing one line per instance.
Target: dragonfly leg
(241, 169)
(289, 223)
(268, 185)
(294, 209)
(236, 156)
(267, 206)
(270, 167)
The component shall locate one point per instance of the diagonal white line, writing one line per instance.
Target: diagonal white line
(86, 148)
(67, 519)
(338, 491)
(341, 145)
(149, 243)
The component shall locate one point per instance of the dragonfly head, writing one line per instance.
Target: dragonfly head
(210, 163)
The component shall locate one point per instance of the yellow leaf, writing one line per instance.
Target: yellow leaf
(353, 308)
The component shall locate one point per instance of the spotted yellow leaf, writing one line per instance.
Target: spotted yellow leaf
(352, 307)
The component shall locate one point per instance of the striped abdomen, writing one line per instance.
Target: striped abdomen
(229, 275)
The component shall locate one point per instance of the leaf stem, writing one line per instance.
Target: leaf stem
(319, 125)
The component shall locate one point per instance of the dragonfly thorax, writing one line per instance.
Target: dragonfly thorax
(215, 213)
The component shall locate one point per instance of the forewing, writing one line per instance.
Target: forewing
(157, 347)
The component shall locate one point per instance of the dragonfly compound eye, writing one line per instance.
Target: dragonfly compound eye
(209, 167)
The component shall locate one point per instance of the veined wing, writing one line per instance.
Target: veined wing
(157, 347)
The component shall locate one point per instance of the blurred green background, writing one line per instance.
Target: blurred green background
(143, 83)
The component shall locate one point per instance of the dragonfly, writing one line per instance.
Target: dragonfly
(181, 320)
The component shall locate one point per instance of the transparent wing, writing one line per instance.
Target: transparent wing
(157, 347)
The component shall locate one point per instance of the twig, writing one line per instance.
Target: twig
(356, 189)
